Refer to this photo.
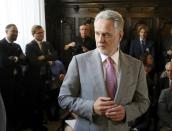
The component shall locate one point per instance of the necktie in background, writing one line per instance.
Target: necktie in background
(41, 47)
(142, 46)
(111, 79)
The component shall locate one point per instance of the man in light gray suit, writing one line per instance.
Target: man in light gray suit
(2, 115)
(84, 91)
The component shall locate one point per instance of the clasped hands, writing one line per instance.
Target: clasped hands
(107, 107)
(13, 58)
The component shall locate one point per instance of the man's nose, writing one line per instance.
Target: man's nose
(101, 38)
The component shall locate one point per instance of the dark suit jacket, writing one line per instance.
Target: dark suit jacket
(11, 78)
(2, 115)
(136, 49)
(88, 42)
(38, 73)
(166, 45)
(165, 108)
(162, 84)
(32, 53)
(7, 64)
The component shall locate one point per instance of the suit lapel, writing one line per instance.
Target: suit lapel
(37, 47)
(97, 74)
(124, 78)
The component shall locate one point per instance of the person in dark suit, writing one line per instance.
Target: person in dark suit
(165, 109)
(82, 43)
(40, 55)
(147, 122)
(165, 82)
(79, 44)
(140, 45)
(87, 90)
(2, 115)
(166, 47)
(11, 59)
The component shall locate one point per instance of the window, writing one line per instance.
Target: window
(24, 14)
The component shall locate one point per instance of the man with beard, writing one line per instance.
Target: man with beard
(11, 57)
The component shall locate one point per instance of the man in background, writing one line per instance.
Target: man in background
(82, 43)
(11, 60)
(40, 55)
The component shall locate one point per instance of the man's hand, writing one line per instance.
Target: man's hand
(41, 58)
(102, 104)
(84, 49)
(116, 113)
(13, 58)
(72, 44)
(169, 52)
(61, 77)
(50, 62)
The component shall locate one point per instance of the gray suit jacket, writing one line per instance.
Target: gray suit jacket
(84, 83)
(2, 115)
(165, 108)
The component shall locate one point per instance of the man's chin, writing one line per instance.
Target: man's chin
(105, 52)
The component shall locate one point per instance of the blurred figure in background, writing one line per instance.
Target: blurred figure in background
(147, 122)
(140, 45)
(167, 47)
(82, 43)
(11, 60)
(40, 56)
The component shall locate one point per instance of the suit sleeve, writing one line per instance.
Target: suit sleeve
(51, 54)
(69, 96)
(140, 102)
(163, 111)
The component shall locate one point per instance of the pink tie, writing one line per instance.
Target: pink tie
(111, 79)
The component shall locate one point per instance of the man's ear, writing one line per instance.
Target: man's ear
(121, 35)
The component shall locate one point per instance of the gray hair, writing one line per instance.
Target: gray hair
(115, 16)
(167, 65)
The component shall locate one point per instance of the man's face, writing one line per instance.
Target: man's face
(143, 34)
(12, 33)
(84, 31)
(107, 38)
(39, 34)
(169, 71)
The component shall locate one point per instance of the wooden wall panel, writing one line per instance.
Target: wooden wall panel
(154, 13)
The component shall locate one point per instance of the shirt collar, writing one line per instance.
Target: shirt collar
(141, 39)
(115, 57)
(39, 42)
(8, 40)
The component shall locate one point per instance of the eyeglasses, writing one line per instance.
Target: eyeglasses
(40, 32)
